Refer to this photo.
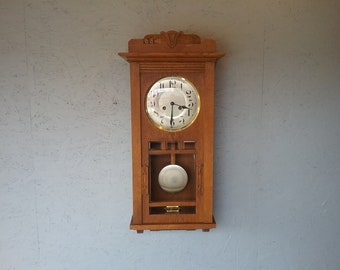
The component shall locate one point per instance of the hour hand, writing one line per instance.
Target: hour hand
(180, 107)
(185, 107)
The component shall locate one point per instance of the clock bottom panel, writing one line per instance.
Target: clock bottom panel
(179, 212)
(172, 209)
(204, 226)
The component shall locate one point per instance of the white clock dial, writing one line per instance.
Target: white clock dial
(172, 103)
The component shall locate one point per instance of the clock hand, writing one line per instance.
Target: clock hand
(172, 113)
(180, 107)
(185, 107)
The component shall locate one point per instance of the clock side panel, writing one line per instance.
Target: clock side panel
(137, 172)
(208, 144)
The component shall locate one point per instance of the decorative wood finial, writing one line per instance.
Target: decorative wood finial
(172, 38)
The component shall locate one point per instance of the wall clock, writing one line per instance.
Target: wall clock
(172, 124)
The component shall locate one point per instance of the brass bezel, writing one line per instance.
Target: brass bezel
(192, 119)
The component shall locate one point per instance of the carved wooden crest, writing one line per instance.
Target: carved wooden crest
(174, 46)
(172, 38)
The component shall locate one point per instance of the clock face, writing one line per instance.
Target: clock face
(172, 103)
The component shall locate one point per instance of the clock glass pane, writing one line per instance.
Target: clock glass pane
(172, 103)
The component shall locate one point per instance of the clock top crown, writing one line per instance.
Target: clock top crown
(178, 44)
(172, 39)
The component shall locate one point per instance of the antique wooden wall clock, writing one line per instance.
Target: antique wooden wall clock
(172, 119)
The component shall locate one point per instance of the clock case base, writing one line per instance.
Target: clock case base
(205, 227)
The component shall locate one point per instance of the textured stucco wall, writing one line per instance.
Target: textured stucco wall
(65, 151)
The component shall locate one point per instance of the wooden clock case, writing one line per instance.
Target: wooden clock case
(151, 58)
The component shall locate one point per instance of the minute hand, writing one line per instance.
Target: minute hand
(172, 114)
